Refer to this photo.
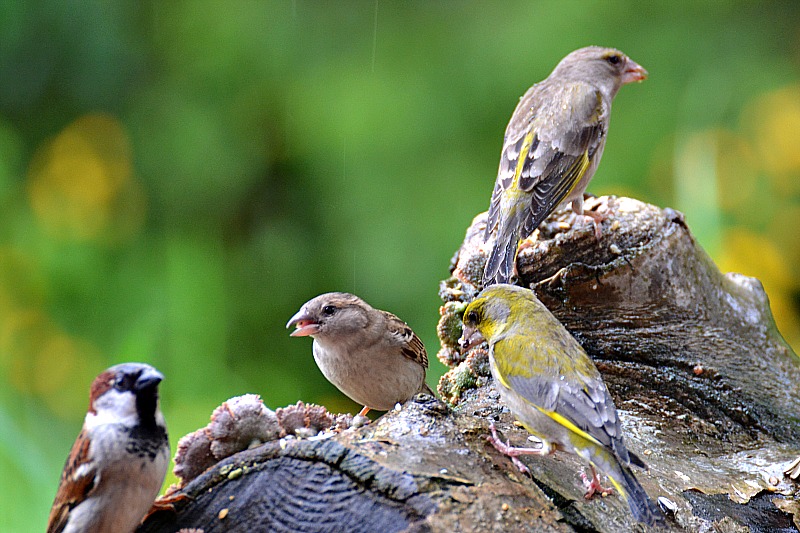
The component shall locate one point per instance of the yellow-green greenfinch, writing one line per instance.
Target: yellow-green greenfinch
(552, 387)
(370, 355)
(552, 146)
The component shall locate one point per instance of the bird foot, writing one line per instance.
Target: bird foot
(359, 421)
(593, 486)
(597, 219)
(793, 470)
(595, 216)
(513, 452)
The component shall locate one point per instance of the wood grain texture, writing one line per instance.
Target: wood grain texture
(707, 391)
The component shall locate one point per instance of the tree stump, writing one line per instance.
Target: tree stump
(707, 390)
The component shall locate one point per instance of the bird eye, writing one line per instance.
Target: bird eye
(121, 383)
(472, 317)
(614, 59)
(329, 309)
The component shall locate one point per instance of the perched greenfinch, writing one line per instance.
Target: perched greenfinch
(370, 355)
(552, 146)
(552, 387)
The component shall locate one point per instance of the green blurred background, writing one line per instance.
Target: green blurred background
(177, 178)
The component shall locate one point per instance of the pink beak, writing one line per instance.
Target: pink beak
(633, 72)
(305, 326)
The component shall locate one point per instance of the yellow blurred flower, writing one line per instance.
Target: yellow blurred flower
(39, 359)
(737, 172)
(755, 255)
(774, 122)
(81, 185)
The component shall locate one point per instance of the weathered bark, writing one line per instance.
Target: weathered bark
(708, 392)
(660, 306)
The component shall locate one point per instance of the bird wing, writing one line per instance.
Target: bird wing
(410, 345)
(580, 401)
(78, 479)
(548, 147)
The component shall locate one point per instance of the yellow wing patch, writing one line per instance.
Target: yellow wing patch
(523, 157)
(577, 171)
(569, 425)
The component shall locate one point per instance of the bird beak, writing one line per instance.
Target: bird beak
(149, 378)
(633, 72)
(470, 337)
(304, 324)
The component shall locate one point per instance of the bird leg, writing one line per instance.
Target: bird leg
(594, 486)
(597, 218)
(361, 419)
(513, 451)
(793, 470)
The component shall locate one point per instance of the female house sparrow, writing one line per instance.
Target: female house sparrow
(370, 355)
(552, 387)
(119, 460)
(552, 146)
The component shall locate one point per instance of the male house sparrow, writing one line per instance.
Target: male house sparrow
(552, 387)
(370, 355)
(552, 146)
(119, 460)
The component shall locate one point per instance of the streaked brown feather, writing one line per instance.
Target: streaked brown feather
(74, 487)
(411, 345)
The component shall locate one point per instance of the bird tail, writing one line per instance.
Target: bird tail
(512, 226)
(500, 265)
(642, 508)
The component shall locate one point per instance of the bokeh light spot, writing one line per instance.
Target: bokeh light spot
(22, 333)
(782, 230)
(753, 254)
(80, 184)
(65, 392)
(737, 171)
(774, 120)
(42, 360)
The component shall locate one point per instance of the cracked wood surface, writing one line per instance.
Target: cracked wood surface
(708, 393)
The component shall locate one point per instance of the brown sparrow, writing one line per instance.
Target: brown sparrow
(119, 460)
(370, 355)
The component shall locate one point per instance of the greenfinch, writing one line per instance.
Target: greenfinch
(552, 146)
(370, 355)
(552, 387)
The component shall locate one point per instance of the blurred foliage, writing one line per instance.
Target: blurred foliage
(177, 178)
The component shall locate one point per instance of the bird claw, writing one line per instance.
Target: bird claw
(520, 465)
(593, 486)
(513, 452)
(359, 421)
(793, 470)
(596, 217)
